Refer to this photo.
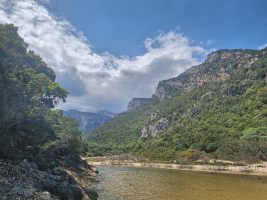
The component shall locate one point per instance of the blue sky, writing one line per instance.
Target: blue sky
(106, 52)
(120, 26)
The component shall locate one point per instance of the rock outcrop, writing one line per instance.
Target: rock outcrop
(136, 102)
(154, 128)
(218, 67)
(25, 181)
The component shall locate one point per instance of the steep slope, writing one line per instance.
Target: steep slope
(218, 107)
(136, 102)
(218, 67)
(89, 121)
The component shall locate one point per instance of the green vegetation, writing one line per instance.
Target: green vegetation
(223, 118)
(30, 127)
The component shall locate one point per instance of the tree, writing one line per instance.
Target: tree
(28, 93)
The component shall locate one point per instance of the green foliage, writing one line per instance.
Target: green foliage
(28, 125)
(226, 119)
(67, 137)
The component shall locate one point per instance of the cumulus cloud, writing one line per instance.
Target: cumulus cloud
(43, 1)
(262, 46)
(98, 81)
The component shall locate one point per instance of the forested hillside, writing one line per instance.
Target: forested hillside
(217, 109)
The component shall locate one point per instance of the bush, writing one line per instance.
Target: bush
(189, 156)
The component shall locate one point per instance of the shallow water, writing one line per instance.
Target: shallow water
(128, 183)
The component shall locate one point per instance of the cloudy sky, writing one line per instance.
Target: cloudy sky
(106, 52)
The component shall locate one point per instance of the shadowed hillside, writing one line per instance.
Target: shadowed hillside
(39, 147)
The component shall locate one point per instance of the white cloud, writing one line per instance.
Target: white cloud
(43, 1)
(262, 46)
(98, 81)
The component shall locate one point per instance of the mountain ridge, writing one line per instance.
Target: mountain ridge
(191, 77)
(213, 107)
(88, 121)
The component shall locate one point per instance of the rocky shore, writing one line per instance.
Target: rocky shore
(213, 166)
(24, 180)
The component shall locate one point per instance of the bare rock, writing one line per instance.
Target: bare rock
(155, 128)
(45, 196)
(23, 192)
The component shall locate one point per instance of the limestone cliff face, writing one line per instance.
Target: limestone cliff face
(218, 67)
(136, 102)
(154, 128)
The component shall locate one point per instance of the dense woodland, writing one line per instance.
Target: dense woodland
(30, 126)
(39, 147)
(224, 119)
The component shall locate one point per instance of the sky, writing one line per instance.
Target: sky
(106, 52)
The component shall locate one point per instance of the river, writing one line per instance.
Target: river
(129, 183)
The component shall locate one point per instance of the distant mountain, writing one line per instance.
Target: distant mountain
(89, 121)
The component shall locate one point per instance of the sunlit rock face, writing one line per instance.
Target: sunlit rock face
(154, 128)
(218, 66)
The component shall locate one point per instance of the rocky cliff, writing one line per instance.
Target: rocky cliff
(218, 66)
(136, 102)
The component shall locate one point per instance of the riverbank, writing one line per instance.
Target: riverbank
(213, 166)
(25, 180)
